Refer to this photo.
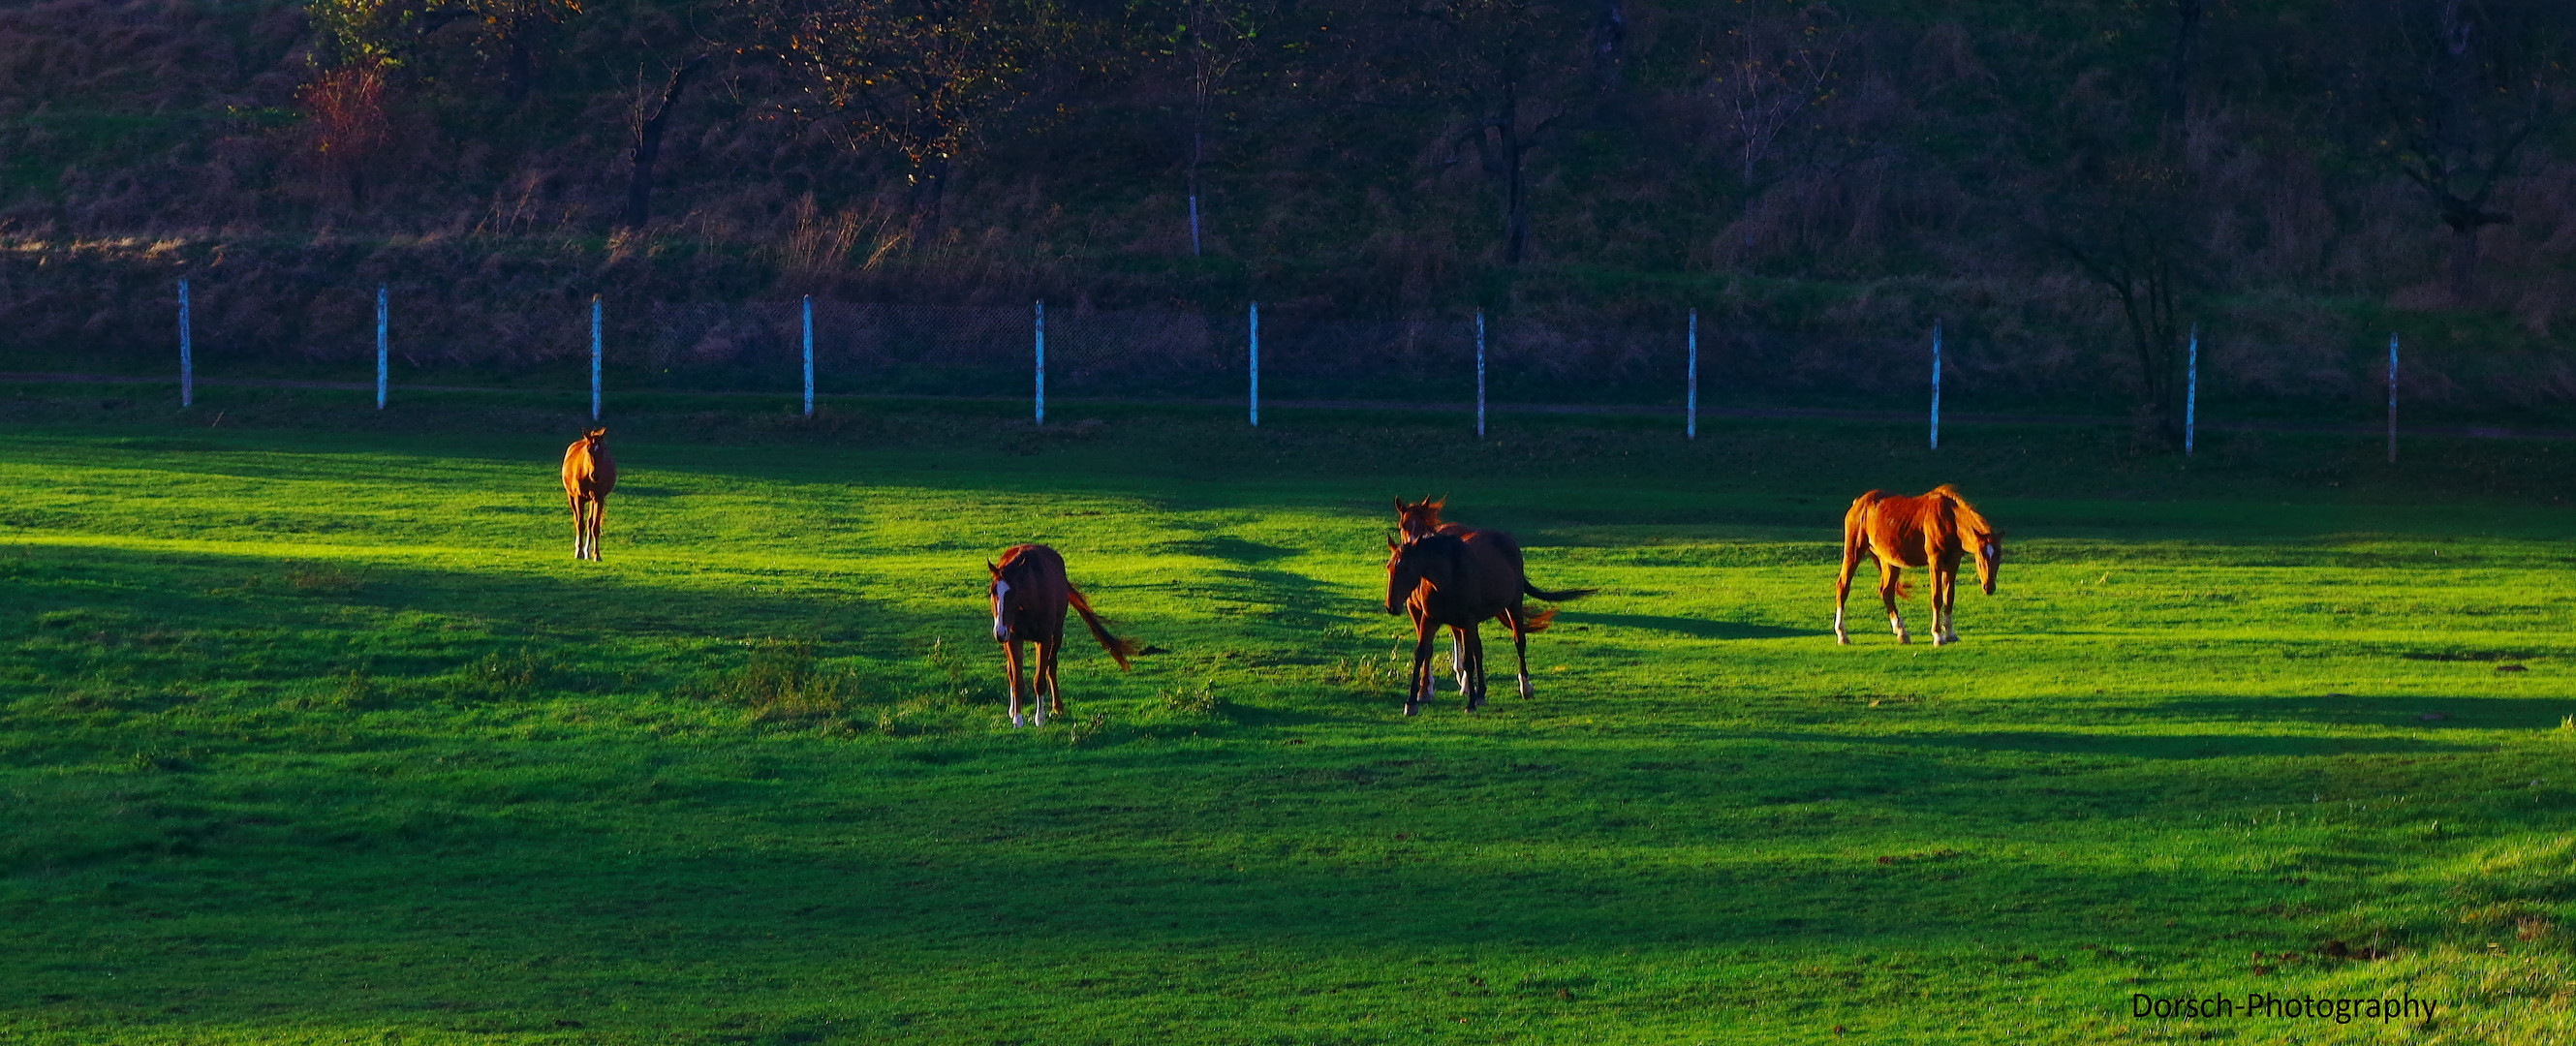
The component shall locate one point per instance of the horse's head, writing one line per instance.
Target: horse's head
(1409, 563)
(1419, 519)
(1990, 557)
(1007, 602)
(592, 437)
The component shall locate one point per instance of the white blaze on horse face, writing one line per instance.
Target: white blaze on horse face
(1001, 599)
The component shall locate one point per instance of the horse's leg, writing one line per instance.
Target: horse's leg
(1046, 670)
(1474, 658)
(1842, 585)
(1945, 600)
(1518, 621)
(1011, 675)
(1458, 657)
(580, 527)
(598, 524)
(1887, 574)
(1417, 686)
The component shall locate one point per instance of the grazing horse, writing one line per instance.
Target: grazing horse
(1029, 596)
(1456, 580)
(1932, 530)
(589, 473)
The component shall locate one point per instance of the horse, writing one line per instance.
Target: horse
(589, 473)
(1457, 579)
(1422, 518)
(1932, 530)
(1030, 593)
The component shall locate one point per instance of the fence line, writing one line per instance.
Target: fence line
(898, 348)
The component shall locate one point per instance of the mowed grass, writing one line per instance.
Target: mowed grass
(312, 731)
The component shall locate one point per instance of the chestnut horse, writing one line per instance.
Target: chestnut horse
(1029, 596)
(589, 473)
(1932, 530)
(1455, 579)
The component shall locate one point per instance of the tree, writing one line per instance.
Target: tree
(1507, 67)
(1764, 74)
(2451, 91)
(1213, 37)
(346, 122)
(921, 78)
(645, 123)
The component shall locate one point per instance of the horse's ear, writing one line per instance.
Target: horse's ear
(1391, 543)
(990, 568)
(1400, 506)
(1440, 504)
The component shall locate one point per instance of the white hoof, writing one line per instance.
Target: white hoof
(1015, 722)
(1526, 693)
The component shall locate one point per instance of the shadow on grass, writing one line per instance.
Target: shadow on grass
(1690, 626)
(2136, 746)
(2407, 712)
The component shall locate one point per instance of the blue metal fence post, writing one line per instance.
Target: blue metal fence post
(594, 357)
(1936, 384)
(381, 354)
(1690, 423)
(2392, 399)
(1256, 362)
(1041, 361)
(1480, 374)
(2191, 392)
(187, 353)
(809, 355)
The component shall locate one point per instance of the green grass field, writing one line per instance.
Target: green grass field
(311, 730)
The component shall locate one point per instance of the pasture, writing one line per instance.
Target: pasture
(312, 730)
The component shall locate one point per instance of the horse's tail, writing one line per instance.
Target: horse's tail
(1119, 649)
(1535, 592)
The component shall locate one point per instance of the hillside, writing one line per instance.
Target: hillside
(2068, 187)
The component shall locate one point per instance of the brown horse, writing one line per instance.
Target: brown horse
(1932, 530)
(589, 473)
(1029, 596)
(1456, 580)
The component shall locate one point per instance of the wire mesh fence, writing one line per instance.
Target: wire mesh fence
(500, 335)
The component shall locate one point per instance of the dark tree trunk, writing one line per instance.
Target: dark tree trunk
(929, 189)
(1515, 187)
(2178, 75)
(647, 147)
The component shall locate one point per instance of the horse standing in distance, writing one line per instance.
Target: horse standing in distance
(1456, 579)
(1932, 530)
(589, 473)
(1030, 593)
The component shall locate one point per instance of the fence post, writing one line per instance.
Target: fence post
(1690, 415)
(809, 355)
(2392, 399)
(594, 357)
(1194, 223)
(381, 355)
(1256, 338)
(2191, 392)
(187, 360)
(1936, 384)
(1480, 374)
(1041, 361)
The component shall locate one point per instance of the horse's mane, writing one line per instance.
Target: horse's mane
(1969, 519)
(1011, 556)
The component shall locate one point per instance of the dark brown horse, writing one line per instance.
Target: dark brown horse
(589, 473)
(1029, 596)
(1456, 580)
(1933, 530)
